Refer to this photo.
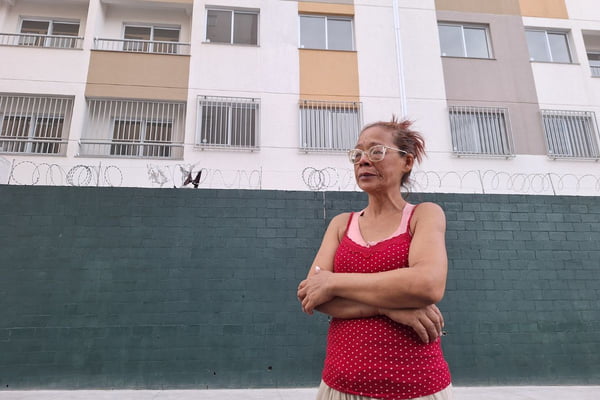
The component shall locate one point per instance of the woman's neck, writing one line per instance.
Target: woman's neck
(382, 204)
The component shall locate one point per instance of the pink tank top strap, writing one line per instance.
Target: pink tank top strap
(353, 229)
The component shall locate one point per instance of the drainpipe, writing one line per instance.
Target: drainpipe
(400, 59)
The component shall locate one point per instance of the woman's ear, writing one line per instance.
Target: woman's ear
(409, 162)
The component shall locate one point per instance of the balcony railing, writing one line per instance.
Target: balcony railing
(129, 149)
(36, 40)
(33, 146)
(142, 46)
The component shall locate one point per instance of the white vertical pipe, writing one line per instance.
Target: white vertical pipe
(400, 59)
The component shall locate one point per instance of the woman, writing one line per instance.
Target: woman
(379, 273)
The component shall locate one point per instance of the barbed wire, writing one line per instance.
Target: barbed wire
(56, 175)
(178, 174)
(472, 181)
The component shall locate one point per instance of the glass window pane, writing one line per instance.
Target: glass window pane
(138, 32)
(559, 47)
(36, 27)
(312, 32)
(245, 28)
(218, 26)
(451, 41)
(476, 42)
(166, 35)
(339, 34)
(243, 124)
(214, 124)
(65, 29)
(135, 33)
(538, 48)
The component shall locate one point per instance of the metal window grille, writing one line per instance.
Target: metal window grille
(37, 40)
(34, 124)
(571, 134)
(141, 46)
(326, 126)
(134, 128)
(228, 122)
(595, 70)
(481, 131)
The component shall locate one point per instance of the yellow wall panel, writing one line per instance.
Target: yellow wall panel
(544, 8)
(509, 7)
(325, 8)
(329, 75)
(138, 76)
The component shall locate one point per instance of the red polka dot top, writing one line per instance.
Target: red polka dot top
(375, 356)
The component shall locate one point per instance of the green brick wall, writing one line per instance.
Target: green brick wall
(167, 288)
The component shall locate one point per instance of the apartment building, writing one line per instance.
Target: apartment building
(270, 94)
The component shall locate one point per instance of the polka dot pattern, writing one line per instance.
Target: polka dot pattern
(377, 357)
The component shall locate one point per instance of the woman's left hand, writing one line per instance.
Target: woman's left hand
(315, 290)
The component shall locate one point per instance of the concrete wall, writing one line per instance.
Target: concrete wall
(143, 288)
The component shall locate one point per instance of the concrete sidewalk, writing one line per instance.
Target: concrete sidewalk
(460, 393)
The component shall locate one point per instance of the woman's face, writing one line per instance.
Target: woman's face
(385, 174)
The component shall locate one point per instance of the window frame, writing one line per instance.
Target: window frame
(562, 131)
(233, 12)
(151, 44)
(465, 53)
(48, 39)
(141, 144)
(252, 142)
(548, 47)
(326, 38)
(323, 121)
(493, 134)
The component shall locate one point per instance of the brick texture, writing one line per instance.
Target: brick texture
(166, 288)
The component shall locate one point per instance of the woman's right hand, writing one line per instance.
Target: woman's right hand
(427, 322)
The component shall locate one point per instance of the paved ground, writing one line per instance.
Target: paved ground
(460, 393)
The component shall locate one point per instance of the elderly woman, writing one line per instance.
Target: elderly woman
(378, 274)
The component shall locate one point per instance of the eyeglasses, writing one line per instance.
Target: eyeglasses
(374, 154)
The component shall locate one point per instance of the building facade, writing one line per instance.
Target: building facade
(262, 94)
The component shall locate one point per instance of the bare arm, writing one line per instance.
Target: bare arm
(420, 285)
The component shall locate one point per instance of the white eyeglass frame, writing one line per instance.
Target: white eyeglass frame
(354, 152)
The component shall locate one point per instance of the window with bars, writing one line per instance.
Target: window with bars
(329, 126)
(35, 125)
(594, 60)
(134, 128)
(326, 32)
(571, 134)
(228, 122)
(459, 40)
(232, 26)
(480, 131)
(49, 33)
(150, 39)
(548, 46)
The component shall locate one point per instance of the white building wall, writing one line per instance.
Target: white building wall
(270, 71)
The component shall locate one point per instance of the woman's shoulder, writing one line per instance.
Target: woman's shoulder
(430, 212)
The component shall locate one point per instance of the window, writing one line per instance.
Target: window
(49, 33)
(232, 26)
(34, 124)
(150, 39)
(480, 131)
(458, 40)
(571, 134)
(228, 122)
(326, 32)
(594, 60)
(329, 125)
(548, 46)
(134, 128)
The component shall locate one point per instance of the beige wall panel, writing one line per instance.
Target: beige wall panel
(325, 8)
(544, 8)
(138, 76)
(504, 81)
(329, 75)
(510, 7)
